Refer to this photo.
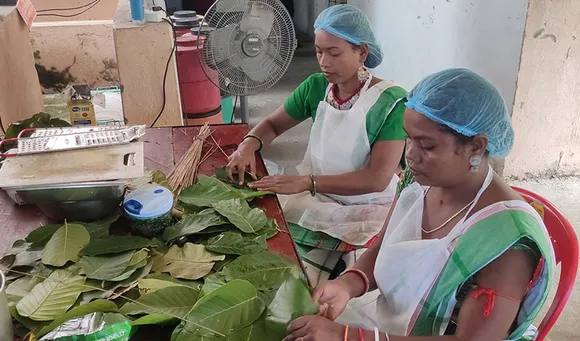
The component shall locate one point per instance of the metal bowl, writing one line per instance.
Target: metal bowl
(75, 202)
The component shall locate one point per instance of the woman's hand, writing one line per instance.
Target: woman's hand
(332, 296)
(314, 328)
(283, 184)
(242, 159)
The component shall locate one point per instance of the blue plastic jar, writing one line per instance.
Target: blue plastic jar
(150, 209)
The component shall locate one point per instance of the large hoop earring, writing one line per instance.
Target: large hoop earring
(474, 162)
(363, 74)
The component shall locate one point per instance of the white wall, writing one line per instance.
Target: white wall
(420, 37)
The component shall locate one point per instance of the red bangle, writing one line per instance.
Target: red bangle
(362, 276)
(361, 335)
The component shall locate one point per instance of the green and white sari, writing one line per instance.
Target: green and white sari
(421, 281)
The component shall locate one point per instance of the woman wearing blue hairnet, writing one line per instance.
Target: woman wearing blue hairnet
(348, 177)
(461, 257)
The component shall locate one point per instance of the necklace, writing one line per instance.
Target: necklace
(448, 220)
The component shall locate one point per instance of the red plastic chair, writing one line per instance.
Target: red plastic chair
(565, 244)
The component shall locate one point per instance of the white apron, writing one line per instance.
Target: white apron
(416, 262)
(339, 144)
(406, 267)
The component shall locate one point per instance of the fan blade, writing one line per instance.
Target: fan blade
(218, 44)
(259, 19)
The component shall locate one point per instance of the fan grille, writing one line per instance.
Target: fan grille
(250, 44)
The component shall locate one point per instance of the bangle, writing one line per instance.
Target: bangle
(313, 187)
(362, 276)
(254, 137)
(361, 335)
(377, 337)
(346, 333)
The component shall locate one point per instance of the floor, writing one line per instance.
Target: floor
(287, 151)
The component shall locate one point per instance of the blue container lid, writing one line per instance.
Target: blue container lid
(148, 202)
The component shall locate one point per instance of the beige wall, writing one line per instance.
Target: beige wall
(142, 55)
(104, 10)
(20, 94)
(546, 113)
(84, 51)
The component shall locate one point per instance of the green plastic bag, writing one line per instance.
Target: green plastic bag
(116, 332)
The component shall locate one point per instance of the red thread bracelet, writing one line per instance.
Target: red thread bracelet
(362, 276)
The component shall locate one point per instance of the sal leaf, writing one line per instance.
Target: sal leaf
(194, 223)
(271, 229)
(150, 285)
(154, 319)
(239, 213)
(190, 262)
(65, 245)
(222, 175)
(208, 191)
(112, 289)
(100, 229)
(99, 306)
(251, 194)
(234, 243)
(105, 267)
(42, 235)
(292, 301)
(213, 282)
(172, 301)
(227, 309)
(115, 244)
(254, 332)
(51, 298)
(266, 270)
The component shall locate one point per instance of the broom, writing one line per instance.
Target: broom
(185, 171)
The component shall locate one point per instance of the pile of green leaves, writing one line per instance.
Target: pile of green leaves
(211, 277)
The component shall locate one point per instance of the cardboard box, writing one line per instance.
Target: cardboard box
(80, 106)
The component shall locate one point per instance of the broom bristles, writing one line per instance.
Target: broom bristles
(185, 171)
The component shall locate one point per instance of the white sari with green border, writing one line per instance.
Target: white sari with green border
(419, 279)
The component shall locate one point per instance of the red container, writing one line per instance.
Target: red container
(199, 95)
(212, 117)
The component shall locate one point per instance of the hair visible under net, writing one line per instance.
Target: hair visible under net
(467, 103)
(351, 24)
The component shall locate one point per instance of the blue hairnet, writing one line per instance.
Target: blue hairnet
(467, 103)
(351, 24)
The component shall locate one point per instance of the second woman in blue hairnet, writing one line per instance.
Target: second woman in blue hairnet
(347, 180)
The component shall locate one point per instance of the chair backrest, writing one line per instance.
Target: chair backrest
(565, 244)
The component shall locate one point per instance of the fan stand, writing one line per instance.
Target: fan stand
(244, 109)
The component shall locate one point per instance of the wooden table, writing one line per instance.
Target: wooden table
(158, 141)
(163, 148)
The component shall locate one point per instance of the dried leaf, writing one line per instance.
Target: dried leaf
(190, 262)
